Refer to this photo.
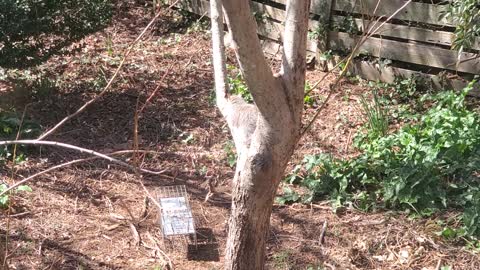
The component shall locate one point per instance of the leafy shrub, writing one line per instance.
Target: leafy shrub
(466, 15)
(424, 167)
(34, 30)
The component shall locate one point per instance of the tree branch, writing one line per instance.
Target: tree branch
(218, 49)
(295, 42)
(254, 66)
(294, 56)
(81, 150)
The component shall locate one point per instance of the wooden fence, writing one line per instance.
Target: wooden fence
(416, 41)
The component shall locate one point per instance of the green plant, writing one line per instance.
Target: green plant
(405, 97)
(347, 25)
(229, 149)
(260, 17)
(466, 16)
(288, 196)
(9, 127)
(326, 55)
(377, 119)
(237, 85)
(308, 99)
(318, 32)
(34, 30)
(282, 259)
(423, 167)
(109, 45)
(5, 199)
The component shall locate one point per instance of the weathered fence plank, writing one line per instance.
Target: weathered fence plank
(407, 52)
(408, 32)
(374, 72)
(415, 11)
(384, 48)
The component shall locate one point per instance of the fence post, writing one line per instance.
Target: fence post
(323, 9)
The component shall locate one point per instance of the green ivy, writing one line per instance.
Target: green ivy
(424, 167)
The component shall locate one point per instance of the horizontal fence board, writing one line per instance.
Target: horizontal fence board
(272, 12)
(199, 7)
(409, 32)
(373, 72)
(383, 48)
(415, 11)
(388, 29)
(407, 52)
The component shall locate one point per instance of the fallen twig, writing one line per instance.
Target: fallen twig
(167, 262)
(322, 233)
(439, 264)
(59, 166)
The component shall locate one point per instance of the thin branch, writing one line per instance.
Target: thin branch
(156, 88)
(59, 166)
(81, 150)
(218, 50)
(110, 82)
(321, 239)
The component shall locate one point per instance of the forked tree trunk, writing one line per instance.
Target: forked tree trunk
(265, 134)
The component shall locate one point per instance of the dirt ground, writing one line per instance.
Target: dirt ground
(93, 215)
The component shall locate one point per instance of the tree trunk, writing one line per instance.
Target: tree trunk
(253, 193)
(266, 132)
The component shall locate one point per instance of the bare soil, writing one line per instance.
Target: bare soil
(93, 215)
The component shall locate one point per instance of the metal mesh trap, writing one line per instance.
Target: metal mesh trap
(176, 218)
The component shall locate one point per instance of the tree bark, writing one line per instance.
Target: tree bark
(265, 133)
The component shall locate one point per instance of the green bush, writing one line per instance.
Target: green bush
(34, 30)
(424, 167)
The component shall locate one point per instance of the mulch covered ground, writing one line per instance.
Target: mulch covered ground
(93, 215)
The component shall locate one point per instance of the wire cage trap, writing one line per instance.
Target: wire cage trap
(176, 218)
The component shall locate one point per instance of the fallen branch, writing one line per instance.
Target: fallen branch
(66, 164)
(76, 148)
